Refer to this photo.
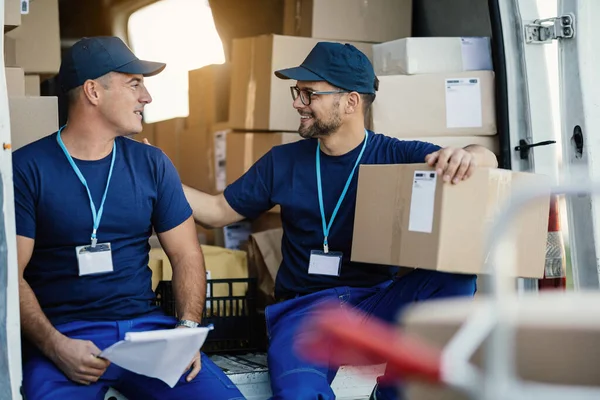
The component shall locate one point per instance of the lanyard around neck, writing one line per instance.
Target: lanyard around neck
(96, 215)
(327, 227)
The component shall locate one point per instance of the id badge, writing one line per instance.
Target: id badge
(322, 263)
(94, 260)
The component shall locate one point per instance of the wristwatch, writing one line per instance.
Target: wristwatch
(187, 323)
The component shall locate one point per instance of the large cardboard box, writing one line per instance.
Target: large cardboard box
(209, 89)
(32, 118)
(417, 55)
(12, 14)
(358, 20)
(489, 142)
(167, 136)
(15, 81)
(243, 149)
(259, 100)
(557, 338)
(38, 38)
(407, 216)
(196, 153)
(453, 104)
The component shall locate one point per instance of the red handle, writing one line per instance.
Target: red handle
(338, 336)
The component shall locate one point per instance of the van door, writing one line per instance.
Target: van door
(534, 33)
(580, 109)
(10, 330)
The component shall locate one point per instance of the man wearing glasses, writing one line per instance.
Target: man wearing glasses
(315, 182)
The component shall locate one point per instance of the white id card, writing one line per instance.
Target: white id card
(322, 263)
(94, 260)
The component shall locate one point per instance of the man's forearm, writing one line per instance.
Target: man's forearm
(189, 286)
(35, 325)
(483, 156)
(204, 207)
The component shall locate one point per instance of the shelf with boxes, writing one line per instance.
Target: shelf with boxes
(31, 50)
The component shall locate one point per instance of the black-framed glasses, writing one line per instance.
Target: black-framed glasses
(306, 94)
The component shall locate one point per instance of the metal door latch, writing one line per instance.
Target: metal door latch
(524, 147)
(546, 30)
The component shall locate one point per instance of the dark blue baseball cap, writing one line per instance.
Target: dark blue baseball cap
(93, 57)
(342, 65)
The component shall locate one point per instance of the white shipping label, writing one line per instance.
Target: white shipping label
(422, 202)
(220, 159)
(463, 103)
(476, 54)
(24, 6)
(237, 234)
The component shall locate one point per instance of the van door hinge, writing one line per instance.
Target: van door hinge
(546, 30)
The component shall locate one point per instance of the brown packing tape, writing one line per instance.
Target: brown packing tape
(248, 151)
(251, 93)
(499, 191)
(298, 17)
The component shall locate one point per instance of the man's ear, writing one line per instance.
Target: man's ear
(353, 103)
(91, 90)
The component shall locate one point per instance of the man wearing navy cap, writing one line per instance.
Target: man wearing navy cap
(315, 182)
(86, 202)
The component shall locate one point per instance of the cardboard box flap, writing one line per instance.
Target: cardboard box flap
(269, 244)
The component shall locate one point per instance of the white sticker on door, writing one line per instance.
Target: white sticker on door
(422, 202)
(463, 103)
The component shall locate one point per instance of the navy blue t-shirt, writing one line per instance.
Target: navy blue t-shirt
(52, 206)
(286, 175)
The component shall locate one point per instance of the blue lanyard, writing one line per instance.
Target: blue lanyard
(97, 215)
(327, 228)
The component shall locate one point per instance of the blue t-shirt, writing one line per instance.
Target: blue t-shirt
(52, 206)
(286, 175)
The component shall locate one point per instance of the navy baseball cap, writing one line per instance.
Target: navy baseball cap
(93, 57)
(342, 65)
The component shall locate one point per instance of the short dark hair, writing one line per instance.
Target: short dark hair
(73, 94)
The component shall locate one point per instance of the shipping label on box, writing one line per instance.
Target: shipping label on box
(456, 104)
(220, 160)
(407, 216)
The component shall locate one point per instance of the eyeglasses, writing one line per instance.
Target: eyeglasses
(306, 94)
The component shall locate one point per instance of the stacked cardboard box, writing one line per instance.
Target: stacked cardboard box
(436, 89)
(31, 48)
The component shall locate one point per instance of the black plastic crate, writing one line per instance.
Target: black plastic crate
(237, 324)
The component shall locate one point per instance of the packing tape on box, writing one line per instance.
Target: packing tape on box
(248, 151)
(297, 17)
(251, 93)
(499, 192)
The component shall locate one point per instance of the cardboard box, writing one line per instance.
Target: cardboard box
(243, 149)
(12, 14)
(259, 100)
(196, 163)
(358, 20)
(10, 52)
(32, 85)
(209, 89)
(264, 259)
(15, 81)
(432, 55)
(167, 136)
(407, 216)
(557, 337)
(489, 142)
(32, 118)
(38, 38)
(454, 104)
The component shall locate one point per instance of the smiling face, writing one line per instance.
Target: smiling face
(323, 116)
(122, 98)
